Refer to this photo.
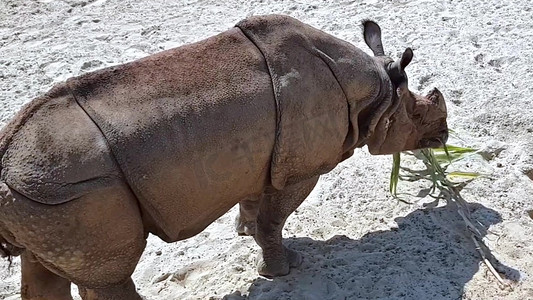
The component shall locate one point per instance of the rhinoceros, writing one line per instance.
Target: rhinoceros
(168, 143)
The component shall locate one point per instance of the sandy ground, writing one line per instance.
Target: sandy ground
(357, 241)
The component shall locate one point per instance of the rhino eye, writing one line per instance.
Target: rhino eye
(417, 116)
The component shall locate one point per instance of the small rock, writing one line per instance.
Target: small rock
(158, 252)
(160, 278)
(238, 268)
(234, 296)
(91, 64)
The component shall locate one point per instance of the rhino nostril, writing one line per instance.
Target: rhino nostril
(444, 137)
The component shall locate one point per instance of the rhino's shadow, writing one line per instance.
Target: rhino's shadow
(429, 256)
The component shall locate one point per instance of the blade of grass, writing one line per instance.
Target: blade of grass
(463, 175)
(395, 173)
(455, 149)
(450, 153)
(440, 181)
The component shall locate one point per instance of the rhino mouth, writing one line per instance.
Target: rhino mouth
(434, 142)
(430, 143)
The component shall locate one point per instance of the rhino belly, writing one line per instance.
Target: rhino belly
(192, 128)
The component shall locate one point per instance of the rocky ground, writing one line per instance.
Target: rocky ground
(358, 242)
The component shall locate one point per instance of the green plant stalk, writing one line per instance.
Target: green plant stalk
(439, 178)
(445, 186)
(432, 159)
(450, 153)
(395, 173)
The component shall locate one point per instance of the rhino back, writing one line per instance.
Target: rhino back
(192, 128)
(54, 153)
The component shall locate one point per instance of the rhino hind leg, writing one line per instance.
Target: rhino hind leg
(274, 258)
(94, 241)
(123, 291)
(245, 222)
(39, 283)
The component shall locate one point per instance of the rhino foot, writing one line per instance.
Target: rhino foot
(245, 223)
(278, 266)
(245, 227)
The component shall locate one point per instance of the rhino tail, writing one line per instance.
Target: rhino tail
(7, 249)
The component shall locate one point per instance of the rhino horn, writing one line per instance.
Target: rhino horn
(436, 97)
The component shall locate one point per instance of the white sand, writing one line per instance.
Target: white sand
(357, 241)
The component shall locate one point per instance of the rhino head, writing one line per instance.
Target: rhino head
(413, 121)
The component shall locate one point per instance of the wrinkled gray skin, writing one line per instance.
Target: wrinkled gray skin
(169, 143)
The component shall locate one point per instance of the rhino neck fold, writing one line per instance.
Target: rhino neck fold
(366, 86)
(375, 115)
(369, 95)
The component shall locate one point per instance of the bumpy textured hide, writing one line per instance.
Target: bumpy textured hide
(312, 112)
(328, 93)
(54, 153)
(194, 130)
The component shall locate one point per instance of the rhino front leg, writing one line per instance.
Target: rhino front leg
(38, 283)
(246, 220)
(276, 259)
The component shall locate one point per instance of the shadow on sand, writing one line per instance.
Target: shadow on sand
(429, 256)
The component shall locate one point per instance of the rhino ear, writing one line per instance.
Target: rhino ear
(397, 68)
(372, 35)
(407, 56)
